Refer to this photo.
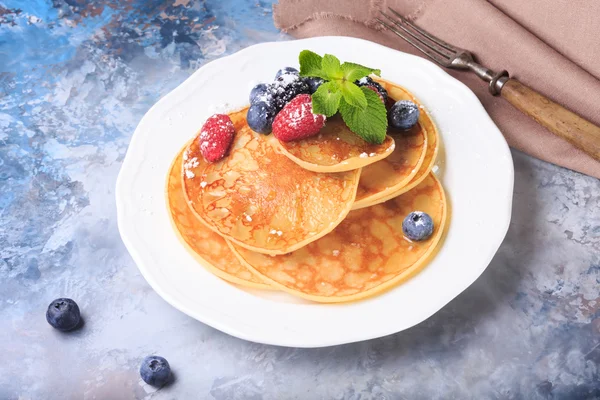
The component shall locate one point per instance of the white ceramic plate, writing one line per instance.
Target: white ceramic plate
(474, 165)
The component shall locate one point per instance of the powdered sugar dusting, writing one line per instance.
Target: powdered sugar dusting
(285, 79)
(278, 87)
(419, 221)
(189, 164)
(215, 137)
(300, 113)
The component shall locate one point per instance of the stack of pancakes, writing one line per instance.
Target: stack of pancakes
(320, 218)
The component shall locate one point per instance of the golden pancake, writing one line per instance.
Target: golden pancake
(386, 178)
(394, 172)
(207, 247)
(418, 178)
(424, 170)
(335, 149)
(366, 254)
(260, 199)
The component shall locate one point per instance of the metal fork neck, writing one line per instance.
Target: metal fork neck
(495, 79)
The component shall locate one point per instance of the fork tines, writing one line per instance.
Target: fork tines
(438, 50)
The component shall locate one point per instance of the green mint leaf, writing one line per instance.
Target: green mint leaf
(310, 63)
(353, 72)
(353, 95)
(330, 66)
(370, 123)
(326, 99)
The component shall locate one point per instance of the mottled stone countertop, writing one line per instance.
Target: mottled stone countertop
(76, 76)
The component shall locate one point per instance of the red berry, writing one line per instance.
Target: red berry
(373, 88)
(215, 137)
(297, 121)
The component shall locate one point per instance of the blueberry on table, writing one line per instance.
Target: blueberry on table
(404, 114)
(417, 226)
(259, 93)
(286, 70)
(63, 314)
(313, 83)
(260, 117)
(155, 371)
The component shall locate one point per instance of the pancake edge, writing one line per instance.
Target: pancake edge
(344, 166)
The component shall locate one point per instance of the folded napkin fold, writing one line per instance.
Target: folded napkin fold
(552, 46)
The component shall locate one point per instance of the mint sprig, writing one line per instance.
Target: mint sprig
(310, 64)
(360, 107)
(353, 95)
(369, 123)
(354, 72)
(326, 100)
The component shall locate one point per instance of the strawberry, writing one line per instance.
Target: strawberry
(215, 137)
(297, 121)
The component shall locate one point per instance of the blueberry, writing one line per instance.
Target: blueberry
(368, 81)
(286, 70)
(63, 314)
(417, 226)
(404, 114)
(260, 117)
(155, 371)
(313, 83)
(286, 87)
(259, 92)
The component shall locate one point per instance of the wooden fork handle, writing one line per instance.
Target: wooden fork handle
(557, 119)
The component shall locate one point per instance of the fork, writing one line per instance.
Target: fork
(554, 117)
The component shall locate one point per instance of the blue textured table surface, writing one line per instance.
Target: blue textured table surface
(75, 78)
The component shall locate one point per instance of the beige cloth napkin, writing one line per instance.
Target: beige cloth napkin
(552, 46)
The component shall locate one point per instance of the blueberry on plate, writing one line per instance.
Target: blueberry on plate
(63, 314)
(313, 83)
(404, 114)
(155, 371)
(286, 70)
(259, 93)
(260, 117)
(417, 226)
(368, 81)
